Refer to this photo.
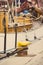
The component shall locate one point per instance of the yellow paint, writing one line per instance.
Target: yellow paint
(20, 44)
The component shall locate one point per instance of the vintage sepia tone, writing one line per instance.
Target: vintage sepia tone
(21, 32)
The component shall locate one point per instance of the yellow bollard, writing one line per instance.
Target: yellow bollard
(22, 45)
